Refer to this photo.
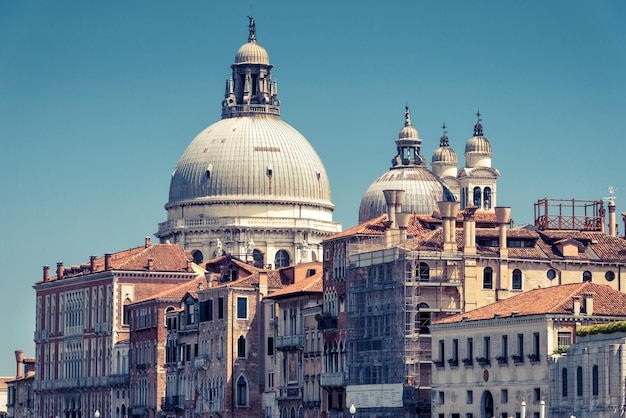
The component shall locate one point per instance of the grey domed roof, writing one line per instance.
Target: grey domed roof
(252, 53)
(250, 159)
(478, 143)
(444, 155)
(423, 191)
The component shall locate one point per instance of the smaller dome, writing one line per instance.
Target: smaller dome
(408, 132)
(252, 53)
(478, 144)
(444, 155)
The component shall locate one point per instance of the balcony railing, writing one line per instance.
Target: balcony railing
(287, 342)
(171, 402)
(332, 379)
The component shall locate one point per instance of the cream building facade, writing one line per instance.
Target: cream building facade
(506, 358)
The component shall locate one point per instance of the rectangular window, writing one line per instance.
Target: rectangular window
(270, 380)
(203, 311)
(505, 346)
(504, 396)
(470, 397)
(536, 347)
(220, 308)
(487, 349)
(520, 346)
(442, 398)
(242, 308)
(454, 361)
(564, 339)
(441, 351)
(209, 310)
(270, 346)
(537, 392)
(469, 360)
(469, 415)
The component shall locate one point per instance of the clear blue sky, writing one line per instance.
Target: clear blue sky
(98, 100)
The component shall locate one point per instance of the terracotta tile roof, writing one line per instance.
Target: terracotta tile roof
(311, 284)
(165, 257)
(418, 224)
(556, 300)
(177, 292)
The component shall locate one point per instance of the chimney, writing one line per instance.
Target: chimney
(503, 216)
(624, 220)
(403, 224)
(151, 264)
(59, 270)
(189, 267)
(469, 230)
(576, 301)
(147, 242)
(263, 283)
(612, 225)
(46, 273)
(390, 199)
(394, 200)
(448, 212)
(92, 264)
(19, 360)
(107, 262)
(200, 286)
(588, 300)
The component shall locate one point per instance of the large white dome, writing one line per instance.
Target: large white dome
(250, 185)
(250, 159)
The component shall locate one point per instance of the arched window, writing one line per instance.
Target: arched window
(423, 272)
(516, 283)
(579, 381)
(198, 257)
(488, 278)
(242, 392)
(285, 413)
(281, 259)
(487, 197)
(595, 381)
(241, 346)
(293, 412)
(587, 276)
(564, 382)
(477, 197)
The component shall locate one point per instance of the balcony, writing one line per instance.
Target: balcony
(335, 380)
(325, 321)
(171, 402)
(290, 342)
(201, 362)
(119, 379)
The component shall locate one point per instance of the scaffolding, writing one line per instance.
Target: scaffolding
(393, 295)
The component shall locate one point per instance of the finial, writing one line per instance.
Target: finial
(407, 116)
(443, 141)
(478, 128)
(252, 29)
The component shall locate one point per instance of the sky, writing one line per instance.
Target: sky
(98, 100)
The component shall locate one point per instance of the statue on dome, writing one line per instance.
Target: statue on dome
(252, 29)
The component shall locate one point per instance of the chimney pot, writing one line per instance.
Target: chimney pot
(59, 270)
(46, 273)
(107, 262)
(147, 242)
(19, 360)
